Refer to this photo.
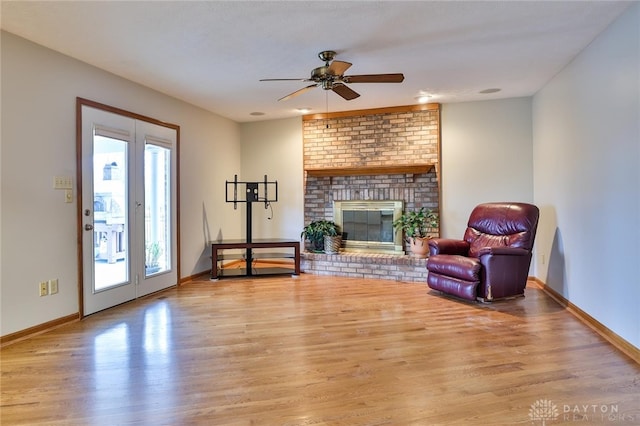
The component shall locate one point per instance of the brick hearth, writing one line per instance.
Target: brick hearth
(365, 265)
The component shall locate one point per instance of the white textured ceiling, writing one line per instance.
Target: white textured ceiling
(213, 53)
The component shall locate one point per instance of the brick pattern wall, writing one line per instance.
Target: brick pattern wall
(420, 190)
(376, 139)
(381, 138)
(390, 137)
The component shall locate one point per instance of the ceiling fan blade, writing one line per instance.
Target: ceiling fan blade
(297, 92)
(284, 79)
(338, 67)
(345, 91)
(374, 78)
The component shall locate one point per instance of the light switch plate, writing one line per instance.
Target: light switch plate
(62, 182)
(53, 286)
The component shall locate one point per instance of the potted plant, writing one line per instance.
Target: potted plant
(152, 258)
(416, 226)
(316, 231)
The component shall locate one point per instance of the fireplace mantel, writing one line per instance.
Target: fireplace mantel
(369, 170)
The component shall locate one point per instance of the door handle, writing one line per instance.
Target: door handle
(88, 227)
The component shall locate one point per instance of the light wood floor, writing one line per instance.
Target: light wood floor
(318, 350)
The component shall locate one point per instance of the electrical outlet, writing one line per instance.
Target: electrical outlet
(44, 288)
(53, 286)
(542, 259)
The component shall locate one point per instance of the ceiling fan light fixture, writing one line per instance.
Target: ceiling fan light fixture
(331, 76)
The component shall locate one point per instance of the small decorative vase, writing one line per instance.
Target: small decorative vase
(419, 247)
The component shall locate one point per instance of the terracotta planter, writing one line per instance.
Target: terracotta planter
(419, 247)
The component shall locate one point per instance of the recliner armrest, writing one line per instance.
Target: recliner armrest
(448, 246)
(507, 251)
(504, 272)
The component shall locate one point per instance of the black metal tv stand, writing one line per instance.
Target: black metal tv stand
(253, 249)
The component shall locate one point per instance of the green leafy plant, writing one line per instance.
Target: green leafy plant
(153, 252)
(317, 230)
(417, 224)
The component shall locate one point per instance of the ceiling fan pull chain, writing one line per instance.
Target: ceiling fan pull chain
(326, 117)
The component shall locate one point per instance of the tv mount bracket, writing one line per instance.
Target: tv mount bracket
(251, 191)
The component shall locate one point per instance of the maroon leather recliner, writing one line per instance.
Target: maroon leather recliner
(492, 261)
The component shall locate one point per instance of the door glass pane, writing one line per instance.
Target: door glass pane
(110, 212)
(157, 209)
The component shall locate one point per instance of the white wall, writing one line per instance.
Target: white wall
(274, 148)
(38, 229)
(586, 134)
(486, 156)
(495, 135)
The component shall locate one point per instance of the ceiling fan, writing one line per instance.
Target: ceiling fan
(331, 76)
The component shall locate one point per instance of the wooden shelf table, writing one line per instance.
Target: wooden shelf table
(249, 255)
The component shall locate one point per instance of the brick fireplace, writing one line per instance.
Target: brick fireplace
(382, 154)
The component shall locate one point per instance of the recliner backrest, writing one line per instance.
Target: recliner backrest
(501, 225)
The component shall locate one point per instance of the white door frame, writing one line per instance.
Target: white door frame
(142, 285)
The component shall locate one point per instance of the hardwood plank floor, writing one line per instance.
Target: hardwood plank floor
(319, 350)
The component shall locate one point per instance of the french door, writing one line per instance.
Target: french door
(128, 207)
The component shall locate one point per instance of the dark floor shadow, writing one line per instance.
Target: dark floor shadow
(516, 307)
(557, 273)
(204, 261)
(205, 226)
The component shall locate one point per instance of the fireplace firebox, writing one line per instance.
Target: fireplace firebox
(367, 226)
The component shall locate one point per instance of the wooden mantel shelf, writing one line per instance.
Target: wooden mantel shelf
(370, 170)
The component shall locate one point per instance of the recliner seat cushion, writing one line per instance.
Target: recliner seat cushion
(461, 267)
(449, 285)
